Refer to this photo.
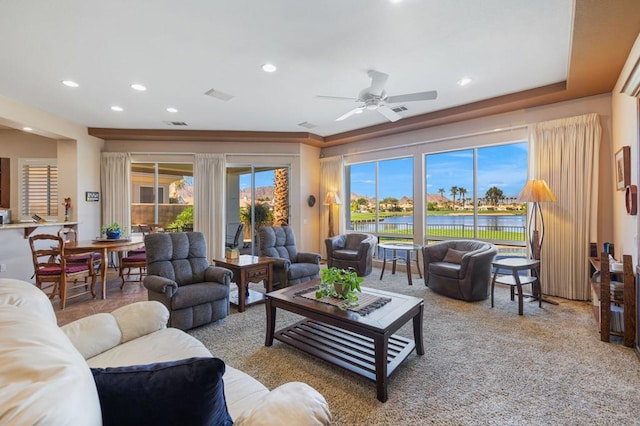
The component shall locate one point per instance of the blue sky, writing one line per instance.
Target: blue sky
(503, 166)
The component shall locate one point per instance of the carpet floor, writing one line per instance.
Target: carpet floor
(481, 365)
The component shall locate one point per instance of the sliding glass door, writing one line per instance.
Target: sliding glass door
(256, 196)
(162, 196)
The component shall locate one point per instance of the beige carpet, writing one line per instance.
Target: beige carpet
(481, 366)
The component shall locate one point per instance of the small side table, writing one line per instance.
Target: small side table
(408, 248)
(248, 269)
(516, 264)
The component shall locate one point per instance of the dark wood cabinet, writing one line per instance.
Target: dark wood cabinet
(5, 183)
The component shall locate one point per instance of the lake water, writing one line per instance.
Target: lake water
(483, 220)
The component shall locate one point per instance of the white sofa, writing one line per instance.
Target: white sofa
(45, 375)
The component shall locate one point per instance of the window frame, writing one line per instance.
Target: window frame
(52, 199)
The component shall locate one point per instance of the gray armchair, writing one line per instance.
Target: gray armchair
(291, 266)
(180, 277)
(351, 251)
(460, 269)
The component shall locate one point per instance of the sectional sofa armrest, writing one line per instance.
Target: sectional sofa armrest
(293, 403)
(98, 333)
(304, 257)
(218, 274)
(160, 285)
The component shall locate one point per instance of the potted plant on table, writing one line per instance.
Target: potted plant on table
(112, 231)
(340, 283)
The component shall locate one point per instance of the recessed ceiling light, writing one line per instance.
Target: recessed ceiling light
(138, 87)
(464, 81)
(171, 109)
(269, 68)
(70, 83)
(117, 108)
(27, 129)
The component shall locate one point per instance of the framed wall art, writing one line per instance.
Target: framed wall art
(623, 168)
(92, 196)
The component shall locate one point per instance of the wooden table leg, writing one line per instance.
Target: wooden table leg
(381, 343)
(271, 323)
(103, 271)
(418, 263)
(417, 330)
(242, 291)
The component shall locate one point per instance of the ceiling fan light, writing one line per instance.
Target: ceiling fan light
(372, 107)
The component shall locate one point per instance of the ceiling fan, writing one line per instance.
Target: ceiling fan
(375, 98)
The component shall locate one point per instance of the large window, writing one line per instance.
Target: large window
(38, 188)
(471, 194)
(162, 195)
(380, 198)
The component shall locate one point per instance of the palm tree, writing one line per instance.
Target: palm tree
(462, 192)
(494, 195)
(281, 196)
(454, 192)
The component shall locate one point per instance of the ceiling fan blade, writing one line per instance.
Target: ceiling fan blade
(410, 97)
(350, 113)
(389, 113)
(378, 80)
(336, 98)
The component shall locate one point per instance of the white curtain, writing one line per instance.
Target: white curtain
(331, 179)
(116, 189)
(565, 154)
(209, 202)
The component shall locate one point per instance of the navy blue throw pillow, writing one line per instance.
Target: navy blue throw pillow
(185, 392)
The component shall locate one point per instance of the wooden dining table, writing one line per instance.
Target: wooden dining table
(104, 247)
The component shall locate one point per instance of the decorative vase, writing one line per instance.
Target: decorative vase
(113, 235)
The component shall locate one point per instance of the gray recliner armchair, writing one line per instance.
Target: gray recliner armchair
(180, 277)
(460, 269)
(351, 250)
(291, 266)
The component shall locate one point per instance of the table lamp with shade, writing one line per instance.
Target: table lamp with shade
(536, 191)
(331, 199)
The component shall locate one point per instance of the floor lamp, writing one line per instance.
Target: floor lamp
(536, 191)
(331, 199)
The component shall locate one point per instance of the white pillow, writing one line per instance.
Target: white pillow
(140, 318)
(294, 403)
(43, 378)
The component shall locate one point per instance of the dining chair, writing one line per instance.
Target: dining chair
(70, 235)
(134, 262)
(50, 266)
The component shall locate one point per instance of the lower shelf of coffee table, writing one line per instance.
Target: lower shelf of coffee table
(343, 348)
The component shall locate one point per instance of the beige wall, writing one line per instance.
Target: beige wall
(626, 131)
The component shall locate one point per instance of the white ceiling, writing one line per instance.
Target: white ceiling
(179, 50)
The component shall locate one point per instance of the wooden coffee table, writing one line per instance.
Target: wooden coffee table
(363, 344)
(248, 269)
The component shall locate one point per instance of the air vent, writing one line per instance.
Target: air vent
(218, 94)
(175, 123)
(307, 125)
(399, 108)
